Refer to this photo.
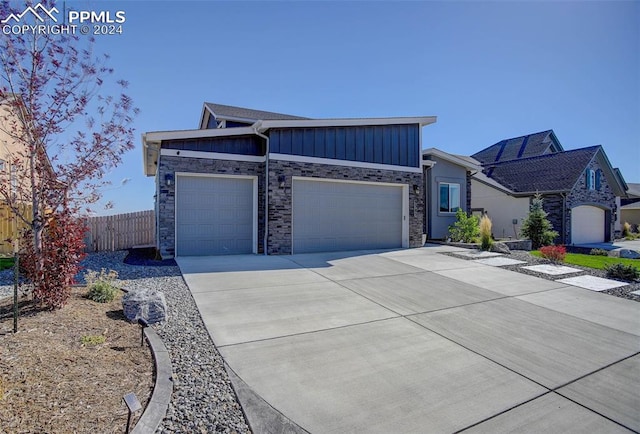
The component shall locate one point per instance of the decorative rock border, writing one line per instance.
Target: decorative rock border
(157, 406)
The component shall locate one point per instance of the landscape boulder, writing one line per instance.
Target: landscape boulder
(147, 304)
(500, 248)
(629, 254)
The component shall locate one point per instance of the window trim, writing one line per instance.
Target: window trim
(449, 184)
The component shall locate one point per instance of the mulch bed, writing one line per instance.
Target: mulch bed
(52, 382)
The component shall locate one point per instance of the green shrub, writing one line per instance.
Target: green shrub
(599, 252)
(485, 233)
(536, 227)
(465, 229)
(623, 272)
(101, 285)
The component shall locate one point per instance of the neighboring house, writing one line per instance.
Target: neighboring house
(579, 187)
(447, 187)
(250, 181)
(12, 156)
(630, 206)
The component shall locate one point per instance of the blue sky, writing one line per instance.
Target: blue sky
(487, 70)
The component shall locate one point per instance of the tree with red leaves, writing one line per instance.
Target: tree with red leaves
(65, 135)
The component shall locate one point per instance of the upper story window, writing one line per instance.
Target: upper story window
(593, 179)
(449, 197)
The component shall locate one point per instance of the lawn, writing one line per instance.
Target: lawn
(6, 263)
(594, 261)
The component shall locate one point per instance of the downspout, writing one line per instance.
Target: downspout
(564, 218)
(266, 184)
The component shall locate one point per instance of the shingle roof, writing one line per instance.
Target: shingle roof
(518, 147)
(550, 172)
(634, 189)
(246, 113)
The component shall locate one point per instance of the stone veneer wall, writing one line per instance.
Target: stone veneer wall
(580, 195)
(280, 223)
(604, 198)
(166, 195)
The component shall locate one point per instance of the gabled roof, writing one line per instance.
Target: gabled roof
(229, 112)
(550, 172)
(460, 160)
(634, 190)
(633, 205)
(531, 145)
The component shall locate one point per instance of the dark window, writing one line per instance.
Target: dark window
(449, 197)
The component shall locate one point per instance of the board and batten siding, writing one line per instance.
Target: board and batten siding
(397, 145)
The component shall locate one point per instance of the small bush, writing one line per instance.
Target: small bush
(626, 229)
(486, 241)
(465, 229)
(623, 272)
(93, 340)
(536, 227)
(599, 252)
(101, 285)
(555, 254)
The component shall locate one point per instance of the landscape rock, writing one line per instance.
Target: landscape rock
(500, 248)
(629, 254)
(148, 304)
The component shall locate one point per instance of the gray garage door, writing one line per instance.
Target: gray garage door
(332, 216)
(214, 215)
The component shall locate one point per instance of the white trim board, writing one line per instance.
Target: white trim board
(346, 163)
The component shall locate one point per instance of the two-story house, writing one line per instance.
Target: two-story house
(250, 181)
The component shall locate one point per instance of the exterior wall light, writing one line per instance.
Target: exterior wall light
(282, 180)
(168, 179)
(416, 189)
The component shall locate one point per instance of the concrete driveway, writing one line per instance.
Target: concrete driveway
(417, 341)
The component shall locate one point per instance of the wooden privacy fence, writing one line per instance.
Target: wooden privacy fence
(8, 229)
(121, 231)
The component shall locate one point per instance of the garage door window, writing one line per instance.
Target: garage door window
(449, 197)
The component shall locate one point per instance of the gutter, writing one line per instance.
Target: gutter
(256, 126)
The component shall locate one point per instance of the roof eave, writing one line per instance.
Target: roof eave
(452, 159)
(346, 122)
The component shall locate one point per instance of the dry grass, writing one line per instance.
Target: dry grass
(51, 382)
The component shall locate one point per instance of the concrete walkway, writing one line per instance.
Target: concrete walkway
(416, 341)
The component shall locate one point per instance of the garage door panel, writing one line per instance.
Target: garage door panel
(214, 215)
(587, 224)
(331, 216)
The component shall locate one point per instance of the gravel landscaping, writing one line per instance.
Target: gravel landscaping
(521, 255)
(203, 400)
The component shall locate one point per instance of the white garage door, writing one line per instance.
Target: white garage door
(214, 215)
(587, 225)
(333, 216)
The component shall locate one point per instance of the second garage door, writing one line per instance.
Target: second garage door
(334, 216)
(214, 215)
(587, 225)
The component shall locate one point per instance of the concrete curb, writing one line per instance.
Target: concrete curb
(261, 416)
(157, 407)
